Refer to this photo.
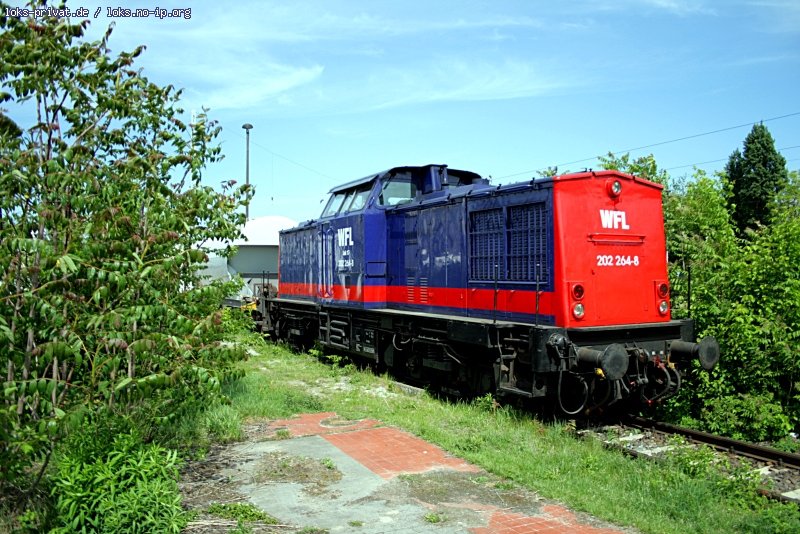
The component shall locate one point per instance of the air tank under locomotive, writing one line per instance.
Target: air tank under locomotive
(555, 287)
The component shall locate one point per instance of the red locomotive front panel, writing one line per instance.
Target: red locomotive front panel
(610, 263)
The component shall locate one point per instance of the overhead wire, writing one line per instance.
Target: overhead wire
(724, 159)
(293, 162)
(684, 138)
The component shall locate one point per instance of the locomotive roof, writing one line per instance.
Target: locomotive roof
(479, 187)
(604, 172)
(469, 175)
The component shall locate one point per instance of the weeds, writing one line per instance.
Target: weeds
(486, 403)
(241, 528)
(241, 512)
(127, 485)
(740, 483)
(433, 517)
(328, 463)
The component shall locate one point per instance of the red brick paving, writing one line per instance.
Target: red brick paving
(555, 520)
(389, 452)
(316, 424)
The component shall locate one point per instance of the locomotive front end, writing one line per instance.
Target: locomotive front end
(619, 339)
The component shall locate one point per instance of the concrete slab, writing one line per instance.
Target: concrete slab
(361, 477)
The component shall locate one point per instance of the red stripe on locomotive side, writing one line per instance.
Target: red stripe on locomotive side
(508, 300)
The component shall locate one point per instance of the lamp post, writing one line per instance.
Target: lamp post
(247, 127)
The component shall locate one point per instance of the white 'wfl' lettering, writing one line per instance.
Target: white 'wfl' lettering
(613, 219)
(345, 236)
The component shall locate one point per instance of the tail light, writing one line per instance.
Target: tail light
(578, 291)
(663, 290)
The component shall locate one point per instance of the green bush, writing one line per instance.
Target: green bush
(750, 417)
(131, 487)
(104, 219)
(236, 321)
(151, 506)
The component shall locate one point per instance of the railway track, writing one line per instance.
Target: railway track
(642, 437)
(759, 453)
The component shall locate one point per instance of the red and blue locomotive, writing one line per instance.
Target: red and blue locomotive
(554, 288)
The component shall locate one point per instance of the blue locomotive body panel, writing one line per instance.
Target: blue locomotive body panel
(463, 248)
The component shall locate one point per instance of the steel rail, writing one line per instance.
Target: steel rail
(742, 448)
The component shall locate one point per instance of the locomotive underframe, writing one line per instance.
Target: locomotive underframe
(583, 369)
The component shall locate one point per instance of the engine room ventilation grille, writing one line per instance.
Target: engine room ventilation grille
(512, 241)
(486, 248)
(527, 238)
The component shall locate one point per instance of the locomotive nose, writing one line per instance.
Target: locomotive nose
(707, 351)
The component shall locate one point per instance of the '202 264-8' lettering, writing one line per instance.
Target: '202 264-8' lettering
(607, 260)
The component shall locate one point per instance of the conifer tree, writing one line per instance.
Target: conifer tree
(756, 175)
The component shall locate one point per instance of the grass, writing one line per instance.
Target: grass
(654, 498)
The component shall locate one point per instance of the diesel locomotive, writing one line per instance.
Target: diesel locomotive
(554, 288)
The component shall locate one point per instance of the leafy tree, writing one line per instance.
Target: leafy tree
(643, 166)
(700, 242)
(757, 175)
(700, 238)
(548, 172)
(745, 294)
(102, 210)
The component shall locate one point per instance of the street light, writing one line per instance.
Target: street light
(247, 127)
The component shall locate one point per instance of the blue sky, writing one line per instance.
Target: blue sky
(339, 89)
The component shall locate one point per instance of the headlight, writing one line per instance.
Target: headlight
(613, 188)
(578, 311)
(663, 307)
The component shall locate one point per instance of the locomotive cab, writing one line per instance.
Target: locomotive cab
(352, 229)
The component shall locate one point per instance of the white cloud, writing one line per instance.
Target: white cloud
(780, 16)
(254, 85)
(675, 7)
(457, 80)
(245, 55)
(298, 23)
(681, 7)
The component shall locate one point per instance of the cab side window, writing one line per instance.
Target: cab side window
(398, 189)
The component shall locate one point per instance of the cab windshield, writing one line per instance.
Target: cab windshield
(348, 201)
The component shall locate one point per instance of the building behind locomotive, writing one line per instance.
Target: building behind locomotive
(430, 268)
